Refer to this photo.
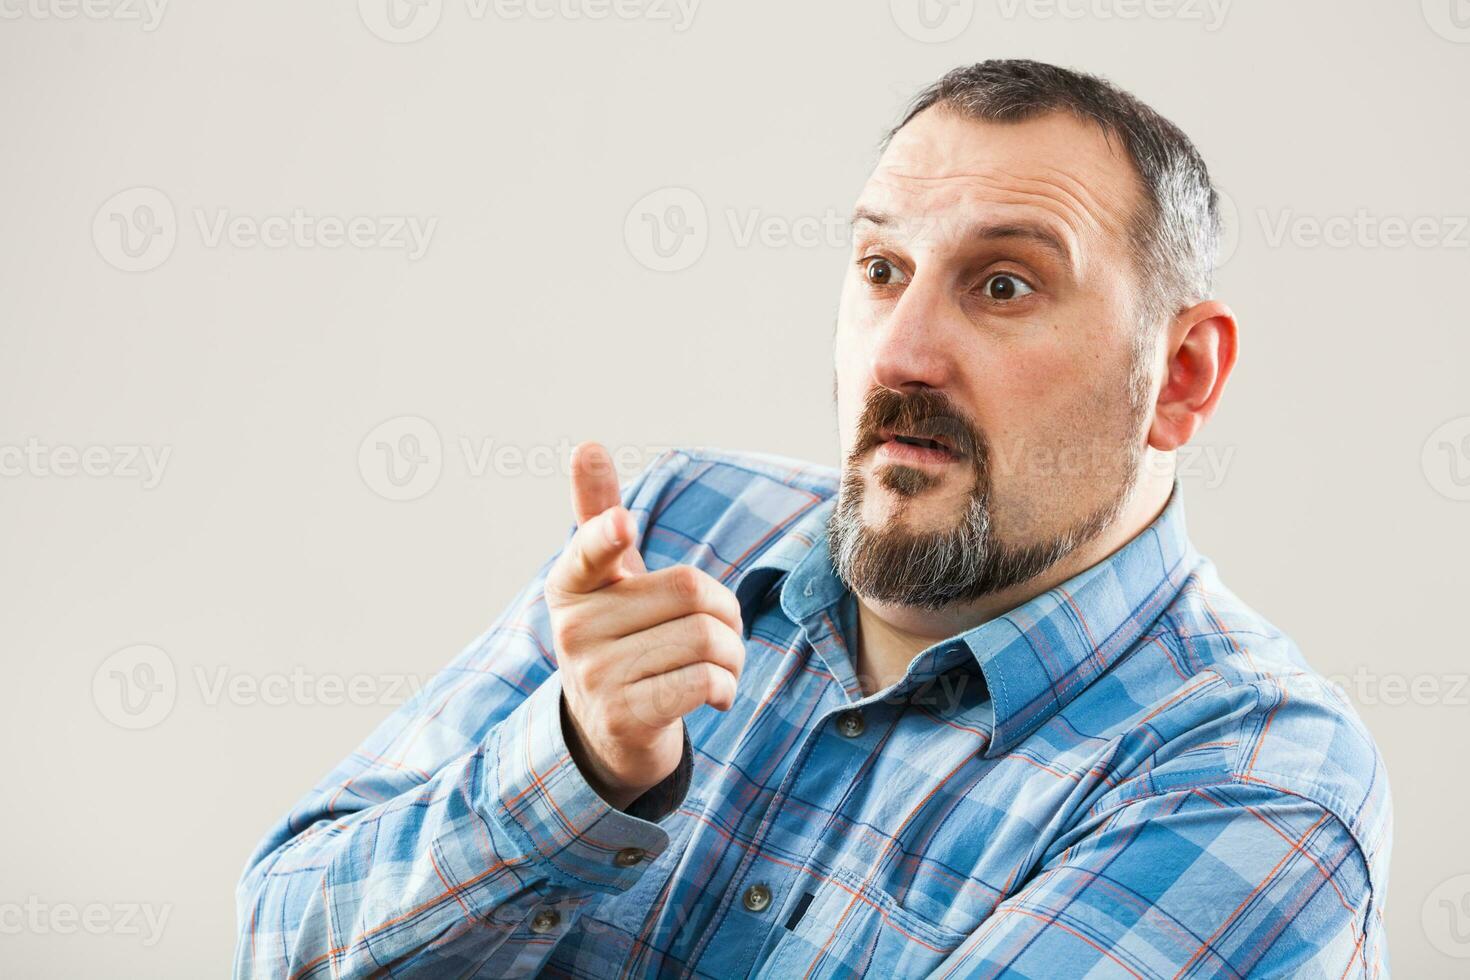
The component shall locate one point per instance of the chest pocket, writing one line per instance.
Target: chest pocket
(850, 930)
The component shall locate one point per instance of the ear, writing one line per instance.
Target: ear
(1200, 349)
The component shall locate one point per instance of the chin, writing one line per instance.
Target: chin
(933, 508)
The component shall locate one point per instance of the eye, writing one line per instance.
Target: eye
(1004, 286)
(881, 272)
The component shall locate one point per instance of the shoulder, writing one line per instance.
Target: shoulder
(1228, 698)
(720, 508)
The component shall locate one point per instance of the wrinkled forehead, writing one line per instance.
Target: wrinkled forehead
(943, 172)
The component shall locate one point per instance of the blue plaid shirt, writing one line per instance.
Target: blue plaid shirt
(1132, 774)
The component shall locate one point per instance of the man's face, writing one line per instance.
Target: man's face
(991, 304)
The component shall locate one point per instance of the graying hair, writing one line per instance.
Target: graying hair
(1175, 237)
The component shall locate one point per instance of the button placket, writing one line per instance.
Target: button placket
(764, 886)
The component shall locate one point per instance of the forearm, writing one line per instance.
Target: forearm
(468, 865)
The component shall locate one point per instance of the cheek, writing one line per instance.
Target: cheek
(1032, 402)
(1020, 389)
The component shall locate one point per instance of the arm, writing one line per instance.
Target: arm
(1228, 880)
(452, 835)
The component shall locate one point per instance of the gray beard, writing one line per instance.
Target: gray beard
(937, 569)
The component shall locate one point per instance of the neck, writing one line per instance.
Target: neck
(890, 636)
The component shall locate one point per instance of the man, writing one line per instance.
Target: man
(973, 706)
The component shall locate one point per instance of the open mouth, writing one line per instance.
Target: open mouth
(919, 441)
(913, 447)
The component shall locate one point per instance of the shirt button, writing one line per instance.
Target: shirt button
(629, 856)
(757, 898)
(545, 920)
(850, 723)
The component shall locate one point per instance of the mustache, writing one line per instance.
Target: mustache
(926, 413)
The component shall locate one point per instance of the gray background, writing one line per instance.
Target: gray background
(187, 653)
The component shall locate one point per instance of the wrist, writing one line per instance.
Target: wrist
(597, 776)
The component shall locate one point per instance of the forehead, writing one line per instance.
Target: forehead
(1055, 169)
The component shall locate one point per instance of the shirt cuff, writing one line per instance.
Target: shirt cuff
(541, 796)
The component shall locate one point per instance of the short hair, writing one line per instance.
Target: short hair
(1176, 235)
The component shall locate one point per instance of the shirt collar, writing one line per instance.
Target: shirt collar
(1036, 658)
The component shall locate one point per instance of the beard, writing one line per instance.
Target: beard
(967, 561)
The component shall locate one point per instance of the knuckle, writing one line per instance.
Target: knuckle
(568, 632)
(720, 599)
(704, 631)
(555, 589)
(713, 684)
(735, 656)
(593, 681)
(686, 582)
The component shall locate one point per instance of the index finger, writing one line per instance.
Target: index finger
(595, 491)
(594, 557)
(594, 481)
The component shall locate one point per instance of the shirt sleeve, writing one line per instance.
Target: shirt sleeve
(1220, 881)
(460, 838)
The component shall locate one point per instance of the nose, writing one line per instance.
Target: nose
(915, 345)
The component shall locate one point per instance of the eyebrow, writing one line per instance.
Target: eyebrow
(1000, 231)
